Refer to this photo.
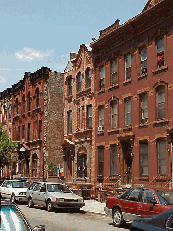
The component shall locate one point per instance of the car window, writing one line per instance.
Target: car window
(169, 223)
(164, 198)
(57, 188)
(4, 184)
(147, 196)
(32, 186)
(125, 195)
(8, 183)
(37, 187)
(134, 195)
(19, 184)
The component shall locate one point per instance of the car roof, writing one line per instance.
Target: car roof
(43, 182)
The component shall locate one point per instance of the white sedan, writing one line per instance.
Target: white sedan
(15, 190)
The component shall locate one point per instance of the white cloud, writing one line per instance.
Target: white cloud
(3, 79)
(30, 54)
(62, 62)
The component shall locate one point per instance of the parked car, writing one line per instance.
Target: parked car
(15, 190)
(163, 221)
(136, 202)
(13, 219)
(53, 195)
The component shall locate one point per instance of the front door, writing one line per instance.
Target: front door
(127, 162)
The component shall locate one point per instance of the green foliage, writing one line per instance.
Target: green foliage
(50, 166)
(6, 147)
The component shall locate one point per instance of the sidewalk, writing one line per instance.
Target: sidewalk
(94, 207)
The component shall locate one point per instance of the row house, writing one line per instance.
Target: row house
(6, 118)
(79, 106)
(36, 113)
(133, 96)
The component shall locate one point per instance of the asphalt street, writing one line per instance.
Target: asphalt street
(68, 220)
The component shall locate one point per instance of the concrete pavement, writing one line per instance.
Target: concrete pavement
(94, 207)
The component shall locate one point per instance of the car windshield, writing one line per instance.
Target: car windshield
(19, 184)
(57, 188)
(165, 196)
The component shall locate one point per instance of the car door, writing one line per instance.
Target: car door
(146, 207)
(35, 192)
(8, 189)
(131, 201)
(42, 195)
(3, 189)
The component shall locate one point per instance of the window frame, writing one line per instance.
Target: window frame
(79, 82)
(126, 100)
(160, 61)
(160, 160)
(142, 155)
(128, 70)
(39, 129)
(114, 72)
(88, 78)
(101, 78)
(100, 108)
(113, 160)
(160, 106)
(143, 61)
(69, 122)
(143, 109)
(70, 83)
(101, 161)
(112, 103)
(37, 97)
(29, 132)
(89, 117)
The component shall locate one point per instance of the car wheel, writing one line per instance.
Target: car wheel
(12, 199)
(30, 203)
(117, 217)
(49, 206)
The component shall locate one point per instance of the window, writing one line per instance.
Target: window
(37, 97)
(113, 160)
(143, 147)
(10, 112)
(143, 108)
(101, 117)
(69, 122)
(102, 78)
(88, 78)
(82, 165)
(23, 132)
(17, 106)
(160, 52)
(29, 131)
(79, 117)
(89, 117)
(34, 166)
(161, 153)
(128, 115)
(40, 129)
(114, 114)
(134, 195)
(144, 60)
(147, 196)
(70, 86)
(128, 67)
(23, 102)
(79, 82)
(100, 161)
(160, 102)
(29, 102)
(114, 71)
(18, 134)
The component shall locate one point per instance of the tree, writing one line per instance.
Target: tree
(6, 147)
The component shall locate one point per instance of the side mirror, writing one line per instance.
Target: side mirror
(153, 201)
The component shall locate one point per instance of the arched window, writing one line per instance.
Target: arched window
(34, 165)
(88, 78)
(37, 97)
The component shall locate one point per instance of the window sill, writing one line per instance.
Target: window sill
(113, 130)
(143, 178)
(128, 128)
(160, 122)
(128, 81)
(100, 133)
(142, 76)
(160, 69)
(113, 87)
(144, 125)
(101, 91)
(69, 97)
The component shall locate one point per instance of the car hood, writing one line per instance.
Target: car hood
(64, 195)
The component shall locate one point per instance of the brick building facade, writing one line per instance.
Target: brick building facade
(79, 117)
(133, 96)
(36, 120)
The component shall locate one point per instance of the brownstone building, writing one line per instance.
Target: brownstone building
(36, 114)
(79, 117)
(133, 65)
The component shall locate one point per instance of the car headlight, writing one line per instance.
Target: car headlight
(80, 200)
(60, 199)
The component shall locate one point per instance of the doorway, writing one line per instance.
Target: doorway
(127, 162)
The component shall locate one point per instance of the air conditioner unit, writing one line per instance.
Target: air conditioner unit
(100, 128)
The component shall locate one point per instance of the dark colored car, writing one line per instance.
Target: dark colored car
(163, 221)
(13, 219)
(137, 202)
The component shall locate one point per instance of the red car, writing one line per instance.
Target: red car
(135, 202)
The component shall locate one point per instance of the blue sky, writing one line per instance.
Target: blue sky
(36, 33)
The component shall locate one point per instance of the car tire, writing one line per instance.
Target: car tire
(49, 206)
(117, 217)
(30, 203)
(12, 199)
